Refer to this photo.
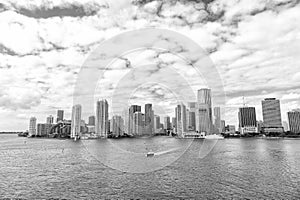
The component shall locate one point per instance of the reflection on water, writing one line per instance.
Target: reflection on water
(234, 168)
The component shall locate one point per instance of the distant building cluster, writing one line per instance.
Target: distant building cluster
(195, 117)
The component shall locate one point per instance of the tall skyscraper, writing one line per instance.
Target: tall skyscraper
(117, 126)
(271, 113)
(32, 126)
(149, 119)
(294, 121)
(247, 120)
(138, 124)
(192, 116)
(60, 115)
(102, 128)
(92, 120)
(223, 126)
(217, 115)
(132, 110)
(156, 124)
(180, 112)
(204, 111)
(76, 121)
(50, 119)
(167, 123)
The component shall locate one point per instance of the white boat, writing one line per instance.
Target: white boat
(150, 154)
(214, 137)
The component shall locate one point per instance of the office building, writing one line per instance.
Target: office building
(294, 121)
(50, 119)
(149, 119)
(102, 124)
(138, 124)
(76, 121)
(43, 129)
(271, 113)
(217, 115)
(247, 120)
(192, 116)
(132, 109)
(180, 112)
(223, 126)
(117, 126)
(60, 115)
(32, 126)
(156, 124)
(167, 123)
(92, 121)
(204, 111)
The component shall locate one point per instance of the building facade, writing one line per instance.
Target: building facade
(102, 126)
(60, 115)
(132, 109)
(180, 112)
(167, 123)
(76, 121)
(204, 111)
(271, 113)
(247, 120)
(117, 126)
(149, 119)
(50, 119)
(294, 121)
(32, 126)
(217, 115)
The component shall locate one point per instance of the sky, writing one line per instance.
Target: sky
(251, 47)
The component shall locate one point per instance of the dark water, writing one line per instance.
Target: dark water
(232, 169)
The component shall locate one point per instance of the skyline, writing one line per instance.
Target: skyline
(252, 44)
(187, 107)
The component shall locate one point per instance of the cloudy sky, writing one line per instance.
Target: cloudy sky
(254, 46)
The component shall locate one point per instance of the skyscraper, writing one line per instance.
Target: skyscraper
(167, 123)
(132, 110)
(247, 120)
(180, 112)
(222, 126)
(102, 126)
(204, 111)
(138, 124)
(60, 115)
(217, 115)
(32, 126)
(117, 126)
(76, 121)
(156, 124)
(271, 113)
(149, 119)
(49, 119)
(192, 116)
(294, 121)
(92, 120)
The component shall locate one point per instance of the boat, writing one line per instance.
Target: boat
(150, 154)
(214, 137)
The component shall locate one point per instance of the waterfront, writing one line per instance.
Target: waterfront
(234, 168)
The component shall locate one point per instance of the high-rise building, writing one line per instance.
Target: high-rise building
(247, 120)
(294, 121)
(102, 128)
(223, 126)
(117, 126)
(92, 120)
(217, 114)
(76, 121)
(180, 112)
(271, 113)
(192, 116)
(174, 122)
(133, 109)
(167, 123)
(156, 124)
(138, 124)
(49, 119)
(149, 119)
(204, 111)
(43, 129)
(32, 126)
(60, 115)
